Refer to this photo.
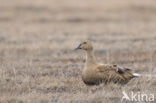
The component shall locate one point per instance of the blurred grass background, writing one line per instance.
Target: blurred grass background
(38, 63)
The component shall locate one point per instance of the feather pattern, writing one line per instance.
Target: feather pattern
(95, 73)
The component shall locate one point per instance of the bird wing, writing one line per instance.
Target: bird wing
(107, 68)
(109, 72)
(114, 73)
(113, 68)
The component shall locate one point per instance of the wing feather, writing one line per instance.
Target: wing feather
(114, 73)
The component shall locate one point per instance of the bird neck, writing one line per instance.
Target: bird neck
(90, 57)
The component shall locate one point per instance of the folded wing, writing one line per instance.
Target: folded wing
(113, 73)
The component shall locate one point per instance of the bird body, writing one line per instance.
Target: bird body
(95, 73)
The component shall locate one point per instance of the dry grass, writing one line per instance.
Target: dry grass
(37, 38)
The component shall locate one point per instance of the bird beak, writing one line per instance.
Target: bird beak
(79, 47)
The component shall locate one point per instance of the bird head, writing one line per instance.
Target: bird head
(85, 45)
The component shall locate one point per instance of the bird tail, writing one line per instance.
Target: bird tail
(136, 75)
(144, 75)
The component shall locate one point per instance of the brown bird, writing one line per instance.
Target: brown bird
(95, 73)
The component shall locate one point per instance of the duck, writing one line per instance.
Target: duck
(95, 73)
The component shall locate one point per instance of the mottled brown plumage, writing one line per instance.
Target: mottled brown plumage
(94, 73)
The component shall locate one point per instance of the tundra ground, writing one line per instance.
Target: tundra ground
(38, 63)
